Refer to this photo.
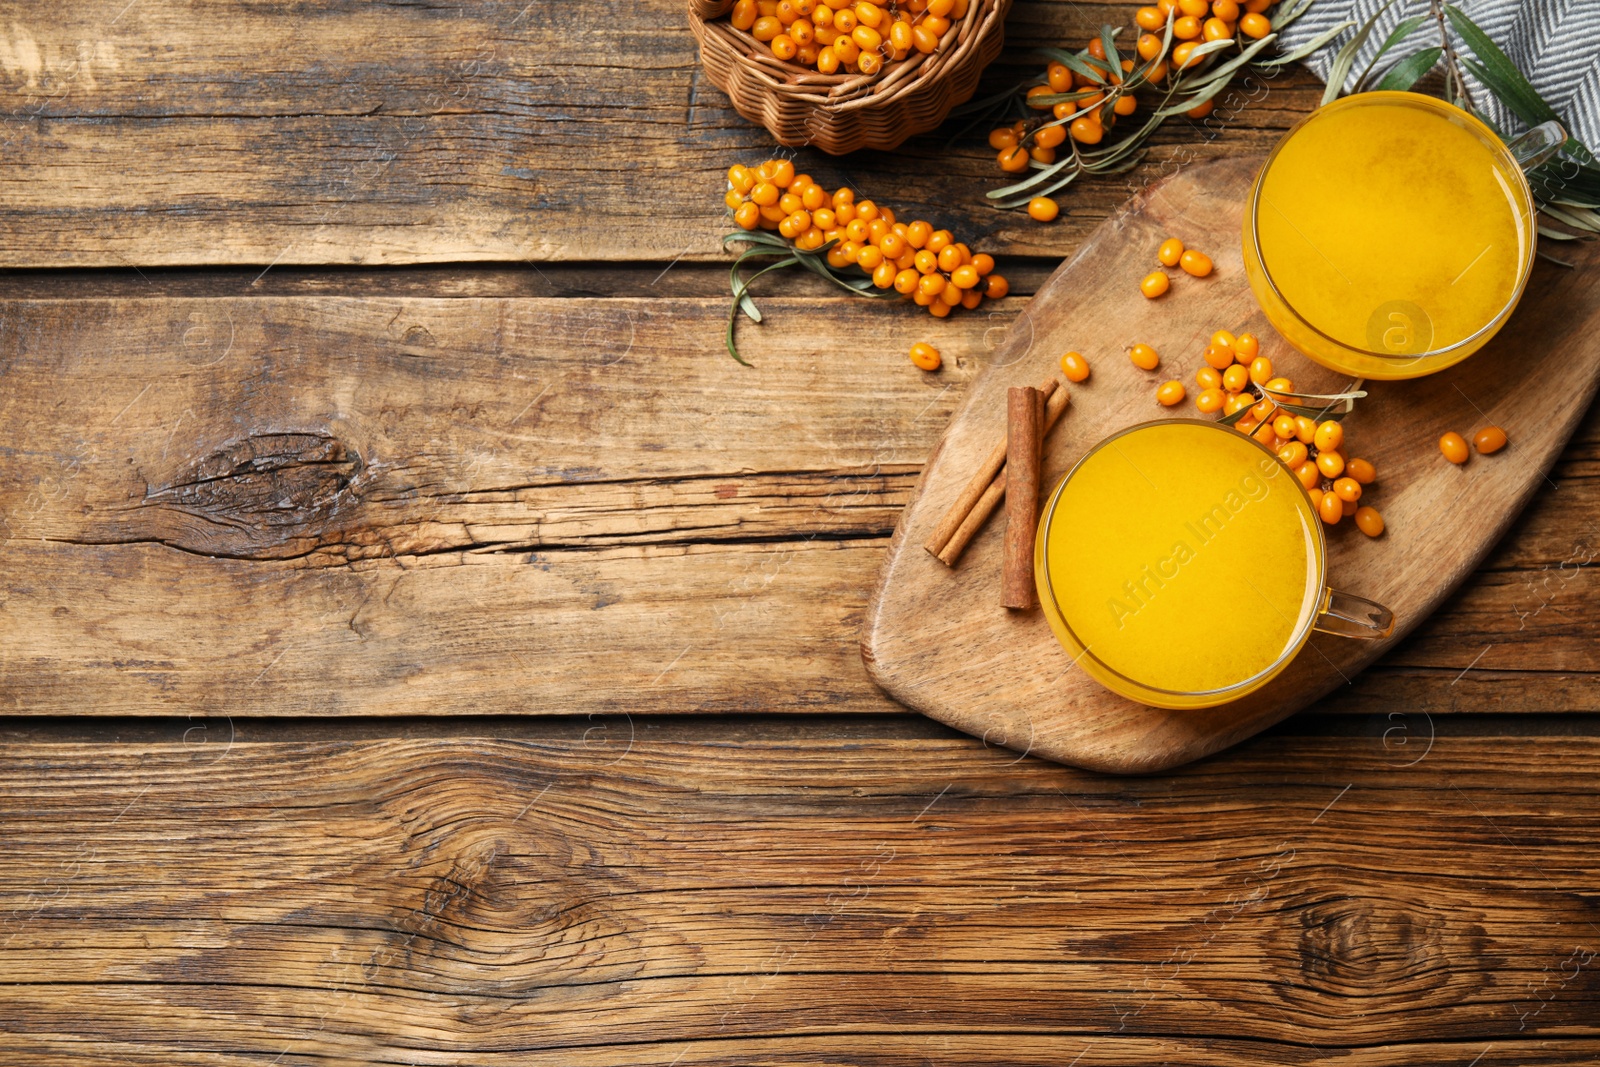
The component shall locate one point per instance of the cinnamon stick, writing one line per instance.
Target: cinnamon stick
(975, 490)
(1024, 432)
(995, 490)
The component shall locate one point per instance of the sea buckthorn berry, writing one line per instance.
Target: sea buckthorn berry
(785, 47)
(905, 282)
(971, 299)
(939, 309)
(869, 257)
(1257, 26)
(1347, 489)
(1350, 506)
(1235, 378)
(1218, 357)
(924, 39)
(949, 258)
(1261, 370)
(1330, 508)
(1330, 435)
(883, 275)
(1058, 77)
(1283, 426)
(931, 284)
(869, 62)
(1246, 346)
(1154, 284)
(1040, 154)
(1144, 357)
(925, 356)
(1064, 110)
(1308, 474)
(1256, 7)
(1454, 447)
(1368, 521)
(1187, 28)
(964, 277)
(1361, 471)
(1209, 378)
(1265, 435)
(1210, 400)
(1050, 136)
(1148, 18)
(983, 263)
(1216, 30)
(765, 194)
(1265, 409)
(1087, 130)
(744, 14)
(1226, 10)
(1279, 388)
(1183, 54)
(1170, 252)
(849, 249)
(1201, 110)
(1157, 73)
(811, 240)
(1489, 440)
(805, 35)
(845, 21)
(732, 199)
(1148, 46)
(791, 203)
(827, 61)
(917, 234)
(1075, 367)
(740, 179)
(1305, 429)
(766, 28)
(1170, 394)
(1316, 494)
(782, 173)
(1097, 48)
(1235, 402)
(1195, 263)
(1125, 105)
(1330, 463)
(926, 262)
(938, 240)
(1194, 8)
(1223, 338)
(747, 215)
(1042, 208)
(893, 245)
(856, 231)
(997, 287)
(1293, 453)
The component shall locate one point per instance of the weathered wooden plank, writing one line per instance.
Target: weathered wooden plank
(171, 133)
(477, 506)
(613, 897)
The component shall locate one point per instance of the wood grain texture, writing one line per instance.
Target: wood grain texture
(933, 638)
(461, 506)
(666, 897)
(169, 133)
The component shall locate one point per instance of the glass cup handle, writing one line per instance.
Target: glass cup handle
(1348, 615)
(1538, 145)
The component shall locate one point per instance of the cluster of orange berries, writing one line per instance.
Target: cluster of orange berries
(1312, 450)
(926, 265)
(1487, 441)
(1172, 253)
(1197, 22)
(855, 37)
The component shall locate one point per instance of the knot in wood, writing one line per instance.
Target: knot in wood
(268, 495)
(1367, 945)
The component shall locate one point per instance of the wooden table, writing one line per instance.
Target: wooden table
(419, 643)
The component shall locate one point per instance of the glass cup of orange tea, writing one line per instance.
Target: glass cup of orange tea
(1389, 234)
(1183, 566)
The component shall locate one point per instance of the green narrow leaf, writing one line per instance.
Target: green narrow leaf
(1404, 74)
(1545, 231)
(1110, 45)
(1307, 48)
(1495, 70)
(1345, 59)
(1289, 12)
(1405, 28)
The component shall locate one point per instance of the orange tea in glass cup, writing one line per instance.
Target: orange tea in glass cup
(1390, 234)
(1183, 566)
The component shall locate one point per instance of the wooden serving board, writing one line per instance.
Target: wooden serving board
(938, 639)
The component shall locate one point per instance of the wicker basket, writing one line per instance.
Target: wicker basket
(840, 113)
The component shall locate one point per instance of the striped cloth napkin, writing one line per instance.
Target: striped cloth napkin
(1550, 41)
